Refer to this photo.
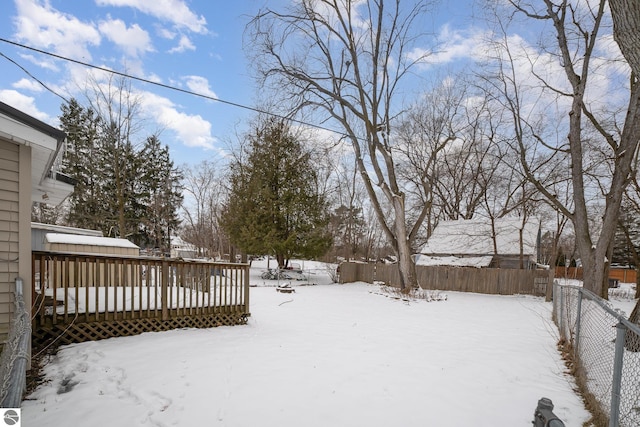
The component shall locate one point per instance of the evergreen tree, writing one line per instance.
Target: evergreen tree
(81, 162)
(626, 247)
(161, 194)
(274, 206)
(45, 213)
(121, 194)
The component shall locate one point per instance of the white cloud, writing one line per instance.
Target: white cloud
(199, 84)
(166, 34)
(184, 44)
(452, 45)
(23, 103)
(28, 84)
(133, 40)
(191, 130)
(174, 11)
(154, 78)
(42, 26)
(45, 62)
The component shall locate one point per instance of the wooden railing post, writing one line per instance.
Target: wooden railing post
(246, 290)
(164, 301)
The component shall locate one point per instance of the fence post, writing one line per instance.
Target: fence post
(616, 385)
(246, 290)
(560, 311)
(578, 320)
(164, 293)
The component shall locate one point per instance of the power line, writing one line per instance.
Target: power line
(34, 77)
(165, 86)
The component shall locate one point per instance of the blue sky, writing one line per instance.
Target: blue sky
(196, 45)
(191, 44)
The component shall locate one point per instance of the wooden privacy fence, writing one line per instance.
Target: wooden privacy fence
(624, 275)
(82, 297)
(463, 279)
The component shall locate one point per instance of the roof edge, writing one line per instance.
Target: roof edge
(25, 118)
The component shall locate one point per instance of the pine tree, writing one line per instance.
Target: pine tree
(120, 194)
(626, 249)
(81, 162)
(123, 192)
(274, 206)
(161, 193)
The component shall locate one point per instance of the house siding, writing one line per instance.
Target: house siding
(9, 230)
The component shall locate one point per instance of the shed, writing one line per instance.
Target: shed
(59, 242)
(473, 243)
(40, 230)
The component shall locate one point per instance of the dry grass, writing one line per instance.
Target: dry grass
(413, 294)
(35, 376)
(599, 417)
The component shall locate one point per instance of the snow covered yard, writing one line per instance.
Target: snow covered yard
(326, 355)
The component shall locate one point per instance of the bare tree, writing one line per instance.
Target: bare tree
(427, 133)
(626, 31)
(597, 151)
(205, 191)
(119, 108)
(348, 60)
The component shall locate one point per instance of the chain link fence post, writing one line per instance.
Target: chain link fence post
(578, 320)
(607, 354)
(616, 385)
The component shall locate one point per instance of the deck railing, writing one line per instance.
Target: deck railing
(88, 288)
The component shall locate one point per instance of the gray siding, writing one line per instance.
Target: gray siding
(9, 230)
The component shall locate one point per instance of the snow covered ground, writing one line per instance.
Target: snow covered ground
(325, 355)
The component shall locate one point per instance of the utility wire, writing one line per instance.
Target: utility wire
(166, 86)
(34, 77)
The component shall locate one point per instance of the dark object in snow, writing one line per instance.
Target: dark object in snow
(285, 289)
(544, 416)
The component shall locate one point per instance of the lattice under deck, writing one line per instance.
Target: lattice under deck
(61, 334)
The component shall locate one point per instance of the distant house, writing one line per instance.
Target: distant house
(478, 243)
(30, 150)
(182, 249)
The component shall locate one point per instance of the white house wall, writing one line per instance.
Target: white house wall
(9, 229)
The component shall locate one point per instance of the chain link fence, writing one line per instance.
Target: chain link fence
(606, 353)
(15, 354)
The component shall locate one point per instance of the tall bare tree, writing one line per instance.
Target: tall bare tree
(348, 60)
(594, 144)
(119, 108)
(626, 31)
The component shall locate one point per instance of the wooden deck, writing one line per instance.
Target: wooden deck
(82, 297)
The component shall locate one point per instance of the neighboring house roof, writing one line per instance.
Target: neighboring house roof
(469, 242)
(65, 230)
(75, 239)
(46, 144)
(455, 261)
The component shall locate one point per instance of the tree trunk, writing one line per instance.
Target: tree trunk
(595, 270)
(626, 30)
(406, 265)
(632, 340)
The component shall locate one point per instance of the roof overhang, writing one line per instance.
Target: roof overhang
(46, 144)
